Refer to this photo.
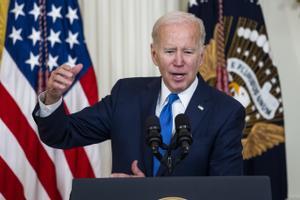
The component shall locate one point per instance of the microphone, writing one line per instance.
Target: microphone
(153, 137)
(183, 133)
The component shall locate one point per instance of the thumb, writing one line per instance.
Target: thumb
(136, 170)
(76, 69)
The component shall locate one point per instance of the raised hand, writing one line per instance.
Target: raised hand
(60, 81)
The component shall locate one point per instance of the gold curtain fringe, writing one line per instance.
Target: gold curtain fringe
(3, 18)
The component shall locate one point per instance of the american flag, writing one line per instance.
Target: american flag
(41, 35)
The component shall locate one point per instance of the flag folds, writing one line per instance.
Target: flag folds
(238, 61)
(40, 36)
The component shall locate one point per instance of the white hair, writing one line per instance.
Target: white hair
(178, 17)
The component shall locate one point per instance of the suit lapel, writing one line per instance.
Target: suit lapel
(199, 104)
(148, 101)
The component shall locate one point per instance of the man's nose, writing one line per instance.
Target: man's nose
(179, 59)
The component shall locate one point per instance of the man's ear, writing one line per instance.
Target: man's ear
(154, 54)
(202, 54)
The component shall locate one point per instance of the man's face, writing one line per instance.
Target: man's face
(178, 55)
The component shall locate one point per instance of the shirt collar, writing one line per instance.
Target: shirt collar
(184, 96)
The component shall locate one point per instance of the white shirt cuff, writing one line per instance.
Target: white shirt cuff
(46, 110)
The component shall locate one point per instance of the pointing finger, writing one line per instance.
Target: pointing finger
(136, 170)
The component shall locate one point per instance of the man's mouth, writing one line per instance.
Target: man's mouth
(178, 76)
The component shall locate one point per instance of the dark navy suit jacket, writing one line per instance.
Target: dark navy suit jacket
(121, 116)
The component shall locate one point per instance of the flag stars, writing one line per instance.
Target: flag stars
(72, 14)
(239, 50)
(254, 1)
(18, 10)
(55, 13)
(72, 39)
(193, 3)
(16, 35)
(71, 61)
(253, 58)
(54, 37)
(35, 36)
(35, 12)
(277, 90)
(33, 61)
(52, 62)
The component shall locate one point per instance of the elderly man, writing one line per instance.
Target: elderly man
(216, 119)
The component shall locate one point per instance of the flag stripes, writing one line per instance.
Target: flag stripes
(15, 158)
(88, 84)
(75, 156)
(29, 142)
(7, 174)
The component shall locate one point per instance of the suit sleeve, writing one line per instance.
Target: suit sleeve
(226, 157)
(88, 126)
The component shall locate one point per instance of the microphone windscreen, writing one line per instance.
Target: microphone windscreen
(152, 121)
(182, 120)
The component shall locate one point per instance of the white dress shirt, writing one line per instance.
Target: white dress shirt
(179, 106)
(46, 110)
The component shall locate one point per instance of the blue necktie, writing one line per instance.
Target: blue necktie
(166, 123)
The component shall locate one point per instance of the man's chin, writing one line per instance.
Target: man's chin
(178, 88)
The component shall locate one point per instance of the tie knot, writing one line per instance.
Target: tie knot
(172, 97)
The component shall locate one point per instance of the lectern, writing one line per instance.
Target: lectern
(176, 188)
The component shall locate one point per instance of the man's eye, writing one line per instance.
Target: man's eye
(169, 51)
(188, 52)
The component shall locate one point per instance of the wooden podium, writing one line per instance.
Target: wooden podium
(176, 188)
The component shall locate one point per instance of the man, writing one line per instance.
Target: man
(216, 119)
